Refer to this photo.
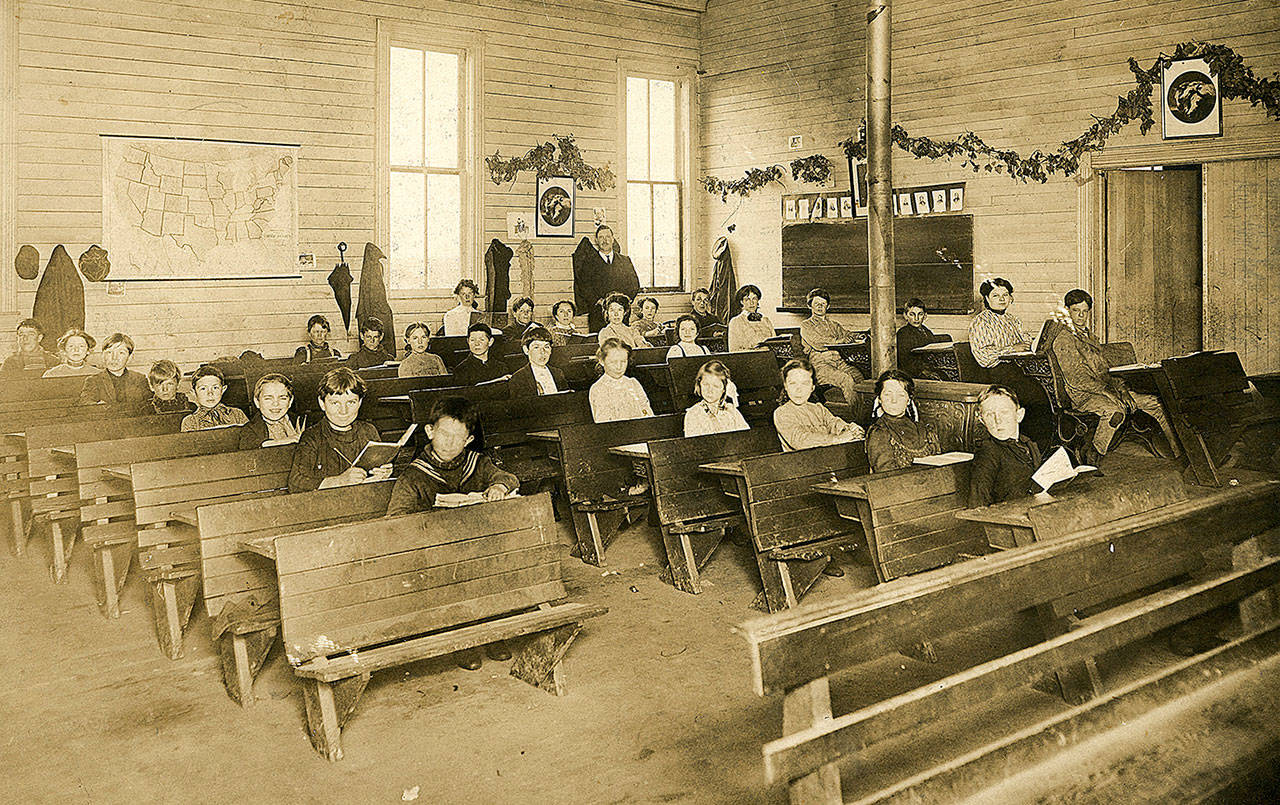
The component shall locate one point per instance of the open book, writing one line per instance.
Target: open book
(1057, 469)
(375, 454)
(452, 500)
(942, 459)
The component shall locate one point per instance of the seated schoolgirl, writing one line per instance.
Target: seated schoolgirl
(117, 385)
(714, 412)
(537, 378)
(209, 384)
(165, 398)
(896, 436)
(687, 332)
(1002, 465)
(617, 307)
(802, 424)
(372, 351)
(419, 362)
(615, 396)
(74, 346)
(521, 316)
(750, 328)
(562, 325)
(317, 347)
(461, 316)
(273, 397)
(326, 452)
(647, 324)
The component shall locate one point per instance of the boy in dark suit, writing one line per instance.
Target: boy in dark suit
(482, 364)
(1003, 464)
(115, 385)
(536, 378)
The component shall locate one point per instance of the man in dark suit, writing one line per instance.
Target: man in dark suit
(600, 269)
(536, 378)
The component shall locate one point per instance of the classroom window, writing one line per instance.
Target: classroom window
(426, 145)
(655, 180)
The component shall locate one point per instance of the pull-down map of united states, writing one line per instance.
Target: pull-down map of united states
(181, 209)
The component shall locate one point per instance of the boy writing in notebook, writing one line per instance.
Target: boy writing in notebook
(326, 452)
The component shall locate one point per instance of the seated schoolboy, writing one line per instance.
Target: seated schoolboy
(521, 316)
(273, 397)
(317, 347)
(116, 385)
(615, 396)
(687, 332)
(817, 334)
(702, 308)
(418, 360)
(1003, 464)
(372, 352)
(617, 309)
(714, 412)
(74, 346)
(209, 384)
(326, 452)
(562, 325)
(447, 465)
(896, 437)
(537, 378)
(912, 335)
(162, 378)
(30, 355)
(647, 324)
(461, 316)
(802, 424)
(481, 365)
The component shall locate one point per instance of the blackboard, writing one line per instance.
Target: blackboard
(934, 262)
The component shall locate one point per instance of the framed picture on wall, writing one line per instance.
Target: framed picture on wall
(555, 202)
(1190, 103)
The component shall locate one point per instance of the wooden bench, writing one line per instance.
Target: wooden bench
(793, 528)
(909, 517)
(166, 496)
(951, 408)
(596, 481)
(693, 512)
(55, 485)
(756, 374)
(107, 522)
(239, 587)
(361, 597)
(505, 429)
(795, 653)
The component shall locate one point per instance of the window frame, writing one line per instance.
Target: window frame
(469, 45)
(686, 161)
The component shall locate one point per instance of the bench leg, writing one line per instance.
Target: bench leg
(538, 657)
(687, 554)
(1262, 607)
(595, 530)
(171, 602)
(805, 707)
(63, 535)
(110, 568)
(786, 582)
(329, 707)
(242, 657)
(18, 525)
(1079, 681)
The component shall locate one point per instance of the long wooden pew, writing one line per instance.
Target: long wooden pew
(166, 496)
(794, 653)
(365, 596)
(55, 486)
(756, 374)
(108, 524)
(239, 587)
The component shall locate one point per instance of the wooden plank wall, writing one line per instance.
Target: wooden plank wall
(298, 71)
(1242, 267)
(1021, 75)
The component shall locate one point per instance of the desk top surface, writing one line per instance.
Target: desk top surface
(544, 435)
(634, 450)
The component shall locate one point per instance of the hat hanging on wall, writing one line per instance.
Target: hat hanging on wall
(94, 264)
(27, 262)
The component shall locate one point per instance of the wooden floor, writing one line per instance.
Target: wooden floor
(660, 706)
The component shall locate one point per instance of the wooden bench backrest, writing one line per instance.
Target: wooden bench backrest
(107, 505)
(506, 423)
(913, 526)
(1107, 499)
(782, 508)
(20, 397)
(421, 401)
(756, 374)
(967, 365)
(684, 493)
(1210, 391)
(161, 488)
(591, 472)
(231, 575)
(350, 586)
(55, 486)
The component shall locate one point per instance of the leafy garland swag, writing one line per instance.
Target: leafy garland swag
(1235, 80)
(544, 161)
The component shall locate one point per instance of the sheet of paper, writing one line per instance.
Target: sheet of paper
(943, 459)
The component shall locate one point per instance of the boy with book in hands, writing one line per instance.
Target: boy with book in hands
(1004, 463)
(448, 465)
(327, 451)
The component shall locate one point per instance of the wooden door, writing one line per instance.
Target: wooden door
(1242, 261)
(1153, 271)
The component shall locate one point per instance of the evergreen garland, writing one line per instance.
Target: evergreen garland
(544, 161)
(1235, 81)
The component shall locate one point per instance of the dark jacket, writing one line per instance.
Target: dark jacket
(909, 338)
(1002, 470)
(323, 452)
(522, 383)
(363, 358)
(497, 271)
(416, 489)
(100, 388)
(472, 371)
(593, 280)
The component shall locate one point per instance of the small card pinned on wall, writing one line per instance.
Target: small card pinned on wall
(846, 206)
(922, 202)
(803, 209)
(306, 262)
(957, 199)
(939, 200)
(789, 209)
(115, 288)
(833, 207)
(904, 204)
